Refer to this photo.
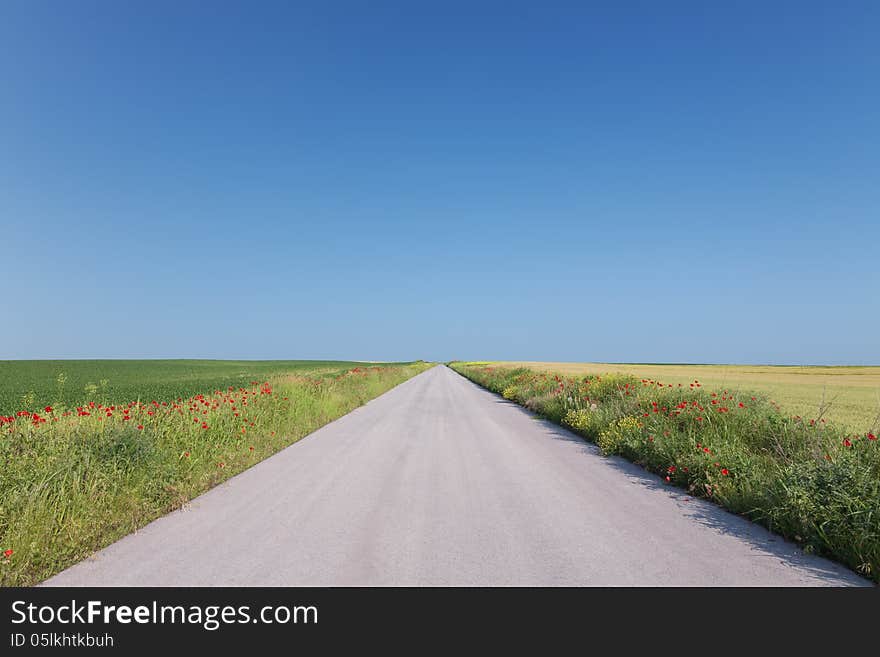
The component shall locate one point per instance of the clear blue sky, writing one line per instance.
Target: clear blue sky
(619, 181)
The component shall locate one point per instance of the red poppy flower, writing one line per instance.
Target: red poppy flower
(140, 427)
(725, 471)
(846, 442)
(48, 409)
(871, 436)
(8, 553)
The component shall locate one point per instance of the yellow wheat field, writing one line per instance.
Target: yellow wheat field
(851, 394)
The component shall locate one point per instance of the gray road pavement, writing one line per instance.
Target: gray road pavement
(439, 482)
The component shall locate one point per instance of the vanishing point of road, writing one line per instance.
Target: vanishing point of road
(439, 482)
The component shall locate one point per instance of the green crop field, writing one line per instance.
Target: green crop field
(32, 384)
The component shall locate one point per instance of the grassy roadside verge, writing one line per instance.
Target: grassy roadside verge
(806, 479)
(74, 480)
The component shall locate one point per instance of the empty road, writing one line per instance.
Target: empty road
(439, 482)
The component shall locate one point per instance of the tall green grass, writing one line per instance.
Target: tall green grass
(804, 478)
(75, 479)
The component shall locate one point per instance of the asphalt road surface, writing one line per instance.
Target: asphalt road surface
(439, 482)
